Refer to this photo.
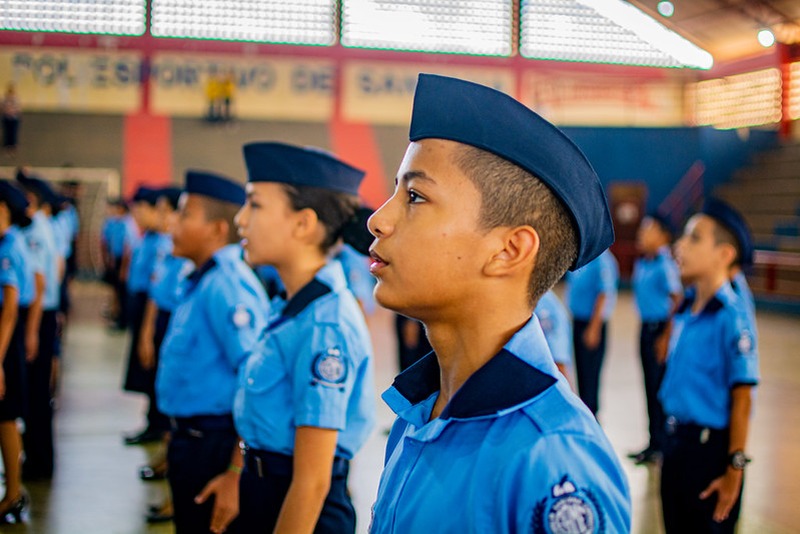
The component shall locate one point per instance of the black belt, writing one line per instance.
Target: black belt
(197, 425)
(263, 463)
(692, 432)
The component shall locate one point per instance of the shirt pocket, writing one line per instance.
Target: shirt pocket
(263, 373)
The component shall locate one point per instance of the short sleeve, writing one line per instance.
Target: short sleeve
(565, 484)
(324, 377)
(608, 276)
(8, 275)
(741, 346)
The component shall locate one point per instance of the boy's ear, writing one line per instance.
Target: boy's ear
(728, 253)
(222, 229)
(519, 248)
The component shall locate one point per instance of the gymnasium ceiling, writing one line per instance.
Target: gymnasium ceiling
(728, 28)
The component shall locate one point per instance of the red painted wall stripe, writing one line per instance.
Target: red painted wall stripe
(356, 144)
(147, 152)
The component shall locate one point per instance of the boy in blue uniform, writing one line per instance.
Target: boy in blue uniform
(591, 297)
(41, 329)
(492, 205)
(16, 281)
(557, 329)
(221, 310)
(305, 403)
(120, 237)
(657, 290)
(152, 249)
(707, 390)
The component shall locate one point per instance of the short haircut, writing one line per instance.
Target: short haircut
(722, 235)
(216, 210)
(334, 209)
(511, 196)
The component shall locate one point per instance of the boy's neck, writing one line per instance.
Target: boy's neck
(465, 343)
(203, 257)
(705, 289)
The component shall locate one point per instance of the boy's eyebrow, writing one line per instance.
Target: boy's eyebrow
(415, 175)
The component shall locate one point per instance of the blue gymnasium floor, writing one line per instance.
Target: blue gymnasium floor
(96, 487)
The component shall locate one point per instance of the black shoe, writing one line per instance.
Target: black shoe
(147, 473)
(650, 456)
(155, 515)
(145, 436)
(17, 513)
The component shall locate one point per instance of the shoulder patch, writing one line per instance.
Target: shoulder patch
(242, 317)
(568, 510)
(745, 343)
(329, 368)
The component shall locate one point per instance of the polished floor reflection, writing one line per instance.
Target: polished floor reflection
(96, 488)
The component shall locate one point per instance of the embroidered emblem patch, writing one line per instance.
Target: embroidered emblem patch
(745, 343)
(241, 317)
(568, 510)
(329, 368)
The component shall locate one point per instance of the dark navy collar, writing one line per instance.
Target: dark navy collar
(712, 306)
(308, 294)
(503, 382)
(195, 276)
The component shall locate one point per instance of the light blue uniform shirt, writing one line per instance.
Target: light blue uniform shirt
(152, 249)
(168, 276)
(222, 310)
(742, 290)
(312, 366)
(15, 267)
(514, 451)
(601, 275)
(554, 320)
(655, 280)
(44, 258)
(359, 279)
(710, 353)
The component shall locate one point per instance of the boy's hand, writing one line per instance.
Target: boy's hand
(31, 346)
(661, 346)
(727, 488)
(591, 336)
(225, 490)
(146, 350)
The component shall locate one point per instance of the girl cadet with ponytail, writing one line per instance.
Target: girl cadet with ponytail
(305, 403)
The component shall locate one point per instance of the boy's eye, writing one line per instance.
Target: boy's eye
(414, 197)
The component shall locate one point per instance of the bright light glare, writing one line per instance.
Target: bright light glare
(116, 17)
(666, 9)
(766, 38)
(468, 27)
(310, 22)
(603, 31)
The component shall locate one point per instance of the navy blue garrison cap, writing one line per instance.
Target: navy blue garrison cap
(731, 219)
(472, 114)
(40, 188)
(215, 186)
(145, 194)
(294, 165)
(172, 194)
(12, 196)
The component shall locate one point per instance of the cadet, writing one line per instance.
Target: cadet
(163, 294)
(41, 329)
(305, 403)
(152, 249)
(554, 320)
(222, 309)
(657, 291)
(712, 369)
(16, 279)
(119, 238)
(591, 297)
(492, 205)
